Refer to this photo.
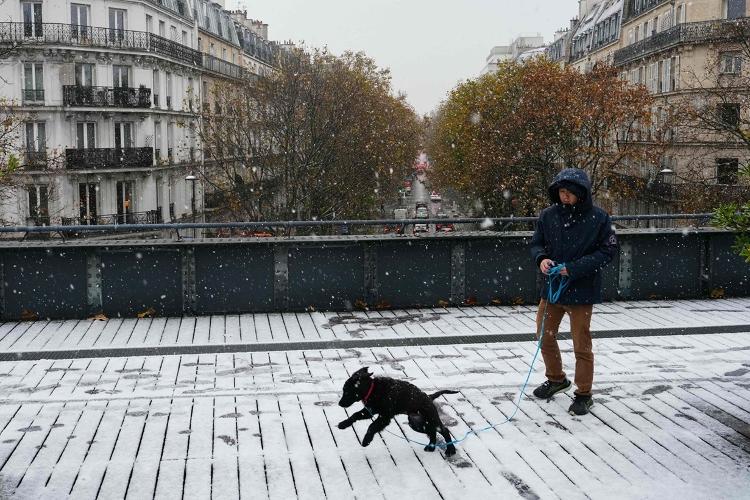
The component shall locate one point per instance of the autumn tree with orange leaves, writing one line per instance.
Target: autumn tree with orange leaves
(501, 138)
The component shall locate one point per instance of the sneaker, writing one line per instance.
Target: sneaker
(581, 405)
(549, 389)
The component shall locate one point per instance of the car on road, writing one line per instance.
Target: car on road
(443, 227)
(435, 197)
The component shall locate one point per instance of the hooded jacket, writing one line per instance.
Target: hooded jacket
(580, 236)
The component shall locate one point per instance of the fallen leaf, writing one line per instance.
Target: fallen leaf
(99, 317)
(148, 313)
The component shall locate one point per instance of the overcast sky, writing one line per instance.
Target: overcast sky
(429, 45)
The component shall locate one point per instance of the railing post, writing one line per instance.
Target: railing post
(625, 270)
(189, 292)
(94, 281)
(371, 273)
(458, 272)
(280, 277)
(706, 263)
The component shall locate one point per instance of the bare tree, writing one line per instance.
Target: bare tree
(323, 137)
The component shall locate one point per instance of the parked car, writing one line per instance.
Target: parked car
(444, 227)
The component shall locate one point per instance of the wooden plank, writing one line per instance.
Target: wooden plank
(226, 465)
(146, 462)
(253, 481)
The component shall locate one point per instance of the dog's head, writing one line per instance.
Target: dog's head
(356, 387)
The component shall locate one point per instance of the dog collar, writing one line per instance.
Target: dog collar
(369, 392)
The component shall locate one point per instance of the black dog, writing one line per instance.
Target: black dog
(387, 398)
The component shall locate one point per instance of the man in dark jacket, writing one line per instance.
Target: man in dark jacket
(579, 235)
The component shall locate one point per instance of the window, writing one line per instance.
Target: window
(39, 204)
(123, 135)
(734, 9)
(680, 14)
(162, 29)
(85, 135)
(117, 19)
(190, 93)
(84, 74)
(168, 90)
(170, 142)
(124, 202)
(36, 137)
(157, 141)
(727, 170)
(32, 19)
(149, 24)
(157, 85)
(730, 63)
(87, 202)
(120, 75)
(729, 115)
(33, 83)
(184, 38)
(80, 17)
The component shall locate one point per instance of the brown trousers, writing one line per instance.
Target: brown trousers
(580, 328)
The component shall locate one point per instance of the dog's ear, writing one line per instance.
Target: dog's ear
(363, 372)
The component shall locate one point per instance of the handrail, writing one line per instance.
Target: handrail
(323, 223)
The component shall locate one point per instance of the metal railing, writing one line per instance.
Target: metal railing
(35, 158)
(223, 67)
(284, 227)
(703, 31)
(90, 36)
(106, 97)
(148, 217)
(104, 158)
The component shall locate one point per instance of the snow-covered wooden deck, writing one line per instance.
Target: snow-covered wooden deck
(672, 412)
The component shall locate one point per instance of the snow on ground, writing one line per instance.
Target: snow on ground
(672, 418)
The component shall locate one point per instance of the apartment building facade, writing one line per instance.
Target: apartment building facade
(107, 131)
(110, 92)
(672, 47)
(675, 49)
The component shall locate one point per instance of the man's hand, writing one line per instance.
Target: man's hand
(545, 265)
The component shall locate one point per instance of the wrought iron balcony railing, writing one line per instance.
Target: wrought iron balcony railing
(223, 67)
(105, 158)
(700, 32)
(106, 97)
(36, 159)
(89, 36)
(33, 96)
(147, 217)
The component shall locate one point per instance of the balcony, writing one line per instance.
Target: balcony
(89, 36)
(35, 159)
(106, 97)
(33, 96)
(109, 158)
(700, 32)
(147, 217)
(212, 63)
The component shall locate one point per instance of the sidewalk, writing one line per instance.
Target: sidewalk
(672, 413)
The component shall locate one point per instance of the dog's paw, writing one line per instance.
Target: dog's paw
(344, 424)
(450, 450)
(429, 447)
(367, 439)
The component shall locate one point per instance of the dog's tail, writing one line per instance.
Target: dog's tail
(440, 393)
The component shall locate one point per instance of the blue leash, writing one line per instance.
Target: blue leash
(556, 287)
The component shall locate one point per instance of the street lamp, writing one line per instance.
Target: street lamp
(191, 179)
